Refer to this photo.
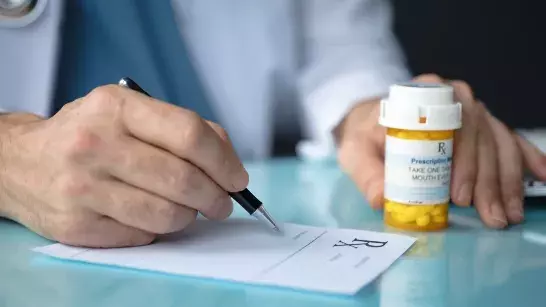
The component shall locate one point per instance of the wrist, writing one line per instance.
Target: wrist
(356, 117)
(8, 123)
(9, 120)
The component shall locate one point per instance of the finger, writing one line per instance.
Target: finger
(164, 174)
(510, 169)
(465, 147)
(533, 158)
(486, 192)
(174, 129)
(137, 208)
(221, 132)
(362, 160)
(104, 232)
(429, 78)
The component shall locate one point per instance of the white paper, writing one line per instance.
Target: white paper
(339, 261)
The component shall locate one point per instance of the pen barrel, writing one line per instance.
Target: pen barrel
(247, 200)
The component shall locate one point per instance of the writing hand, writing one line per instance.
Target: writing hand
(116, 168)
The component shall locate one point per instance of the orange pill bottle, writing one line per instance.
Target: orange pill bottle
(421, 119)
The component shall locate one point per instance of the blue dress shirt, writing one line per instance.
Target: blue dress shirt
(105, 40)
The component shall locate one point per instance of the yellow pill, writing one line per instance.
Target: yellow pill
(423, 220)
(403, 218)
(440, 219)
(389, 207)
(411, 212)
(397, 208)
(425, 209)
(437, 211)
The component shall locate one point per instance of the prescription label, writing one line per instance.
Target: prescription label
(418, 171)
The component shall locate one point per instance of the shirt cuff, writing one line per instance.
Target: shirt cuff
(328, 104)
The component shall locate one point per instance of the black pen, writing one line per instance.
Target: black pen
(245, 198)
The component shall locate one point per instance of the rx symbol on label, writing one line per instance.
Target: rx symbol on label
(357, 243)
(442, 148)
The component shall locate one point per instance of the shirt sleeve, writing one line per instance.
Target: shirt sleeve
(350, 54)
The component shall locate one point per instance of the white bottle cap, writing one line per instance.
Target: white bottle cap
(409, 102)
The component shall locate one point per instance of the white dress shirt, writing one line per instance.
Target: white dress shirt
(310, 59)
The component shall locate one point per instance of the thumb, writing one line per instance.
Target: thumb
(362, 160)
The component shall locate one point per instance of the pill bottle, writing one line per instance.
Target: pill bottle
(420, 121)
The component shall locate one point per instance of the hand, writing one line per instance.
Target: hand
(116, 168)
(488, 160)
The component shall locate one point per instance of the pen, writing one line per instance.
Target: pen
(245, 198)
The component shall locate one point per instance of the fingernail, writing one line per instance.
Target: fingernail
(374, 194)
(241, 181)
(464, 194)
(498, 215)
(516, 210)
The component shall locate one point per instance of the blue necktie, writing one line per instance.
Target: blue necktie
(106, 40)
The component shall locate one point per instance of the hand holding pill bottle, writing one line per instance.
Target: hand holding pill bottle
(421, 119)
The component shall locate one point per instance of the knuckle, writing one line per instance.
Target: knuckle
(130, 161)
(346, 155)
(188, 217)
(72, 185)
(463, 89)
(474, 114)
(213, 206)
(67, 107)
(480, 109)
(188, 180)
(350, 156)
(167, 218)
(429, 77)
(463, 172)
(82, 143)
(193, 132)
(103, 97)
(170, 217)
(487, 185)
(512, 190)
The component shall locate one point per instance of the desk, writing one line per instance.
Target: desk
(465, 266)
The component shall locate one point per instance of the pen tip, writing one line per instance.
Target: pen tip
(263, 215)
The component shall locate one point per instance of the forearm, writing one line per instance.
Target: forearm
(9, 120)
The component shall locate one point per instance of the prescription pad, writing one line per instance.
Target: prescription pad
(329, 260)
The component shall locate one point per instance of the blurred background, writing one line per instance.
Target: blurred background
(496, 46)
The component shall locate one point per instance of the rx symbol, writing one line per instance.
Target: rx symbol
(357, 242)
(442, 148)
